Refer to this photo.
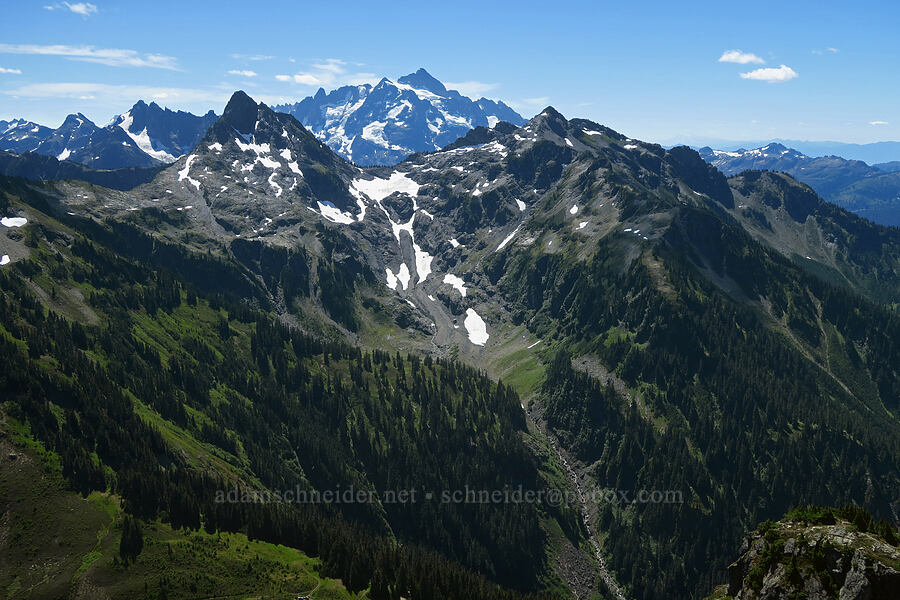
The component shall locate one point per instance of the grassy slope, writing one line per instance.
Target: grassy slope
(54, 543)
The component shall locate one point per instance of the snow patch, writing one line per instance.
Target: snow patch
(507, 239)
(4, 260)
(378, 189)
(66, 153)
(274, 185)
(13, 221)
(403, 275)
(336, 215)
(476, 328)
(142, 140)
(183, 174)
(457, 283)
(521, 205)
(423, 262)
(573, 210)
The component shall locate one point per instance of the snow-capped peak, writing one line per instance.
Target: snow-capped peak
(385, 123)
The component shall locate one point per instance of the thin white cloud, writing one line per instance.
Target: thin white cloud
(334, 65)
(253, 57)
(330, 73)
(113, 57)
(829, 50)
(741, 58)
(528, 103)
(471, 88)
(115, 93)
(85, 9)
(244, 73)
(771, 74)
(5, 71)
(877, 123)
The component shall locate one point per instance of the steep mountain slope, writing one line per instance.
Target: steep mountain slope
(20, 135)
(161, 133)
(172, 384)
(820, 237)
(851, 184)
(384, 124)
(67, 545)
(666, 340)
(80, 140)
(47, 168)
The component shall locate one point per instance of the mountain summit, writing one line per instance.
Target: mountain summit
(385, 123)
(145, 136)
(161, 133)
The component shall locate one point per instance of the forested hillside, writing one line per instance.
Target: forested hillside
(166, 390)
(747, 408)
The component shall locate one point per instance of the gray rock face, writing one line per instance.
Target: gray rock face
(816, 562)
(434, 231)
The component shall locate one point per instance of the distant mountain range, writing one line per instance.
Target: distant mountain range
(369, 125)
(872, 153)
(385, 123)
(145, 136)
(870, 191)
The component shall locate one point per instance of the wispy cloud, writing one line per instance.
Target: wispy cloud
(877, 123)
(331, 73)
(85, 9)
(828, 50)
(528, 103)
(471, 88)
(115, 93)
(245, 73)
(771, 74)
(253, 57)
(113, 57)
(5, 71)
(741, 58)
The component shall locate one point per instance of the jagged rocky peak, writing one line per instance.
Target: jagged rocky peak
(241, 113)
(423, 80)
(76, 120)
(550, 119)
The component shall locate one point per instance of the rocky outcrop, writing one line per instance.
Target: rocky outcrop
(815, 561)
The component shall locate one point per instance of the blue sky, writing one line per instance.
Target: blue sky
(651, 70)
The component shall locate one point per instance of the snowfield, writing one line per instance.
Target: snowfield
(13, 221)
(476, 328)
